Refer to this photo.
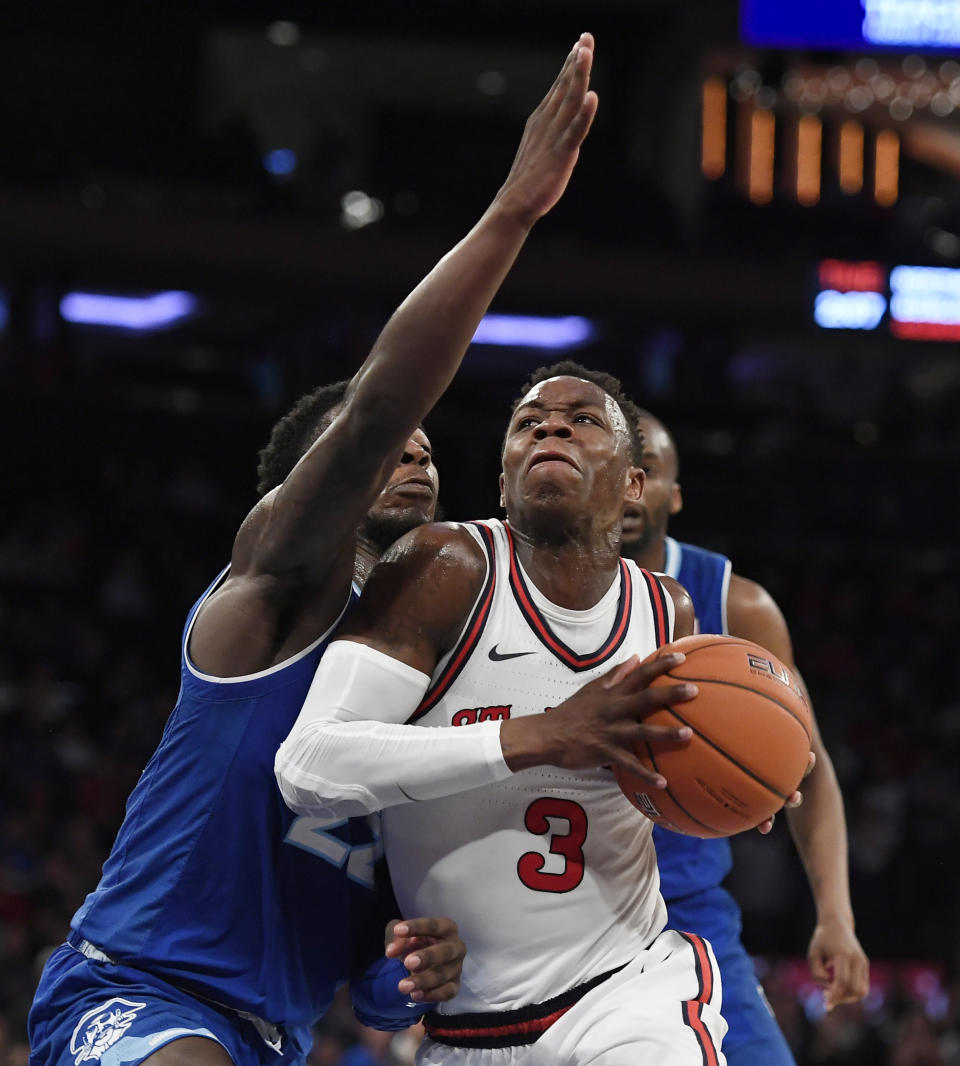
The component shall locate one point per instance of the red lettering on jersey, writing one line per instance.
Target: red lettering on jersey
(470, 715)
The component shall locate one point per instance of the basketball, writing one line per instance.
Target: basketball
(750, 746)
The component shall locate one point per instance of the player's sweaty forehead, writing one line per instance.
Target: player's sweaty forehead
(580, 393)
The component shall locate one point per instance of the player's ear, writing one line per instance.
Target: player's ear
(503, 502)
(635, 480)
(676, 498)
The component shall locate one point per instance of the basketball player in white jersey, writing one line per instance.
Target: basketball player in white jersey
(529, 634)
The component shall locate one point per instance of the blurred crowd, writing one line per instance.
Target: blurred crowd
(113, 526)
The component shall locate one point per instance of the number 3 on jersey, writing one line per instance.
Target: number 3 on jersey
(568, 845)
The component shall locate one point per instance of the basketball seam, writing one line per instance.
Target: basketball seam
(746, 688)
(693, 818)
(716, 747)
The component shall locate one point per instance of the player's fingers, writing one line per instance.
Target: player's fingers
(621, 672)
(640, 677)
(438, 927)
(819, 969)
(429, 957)
(811, 763)
(577, 131)
(648, 700)
(440, 993)
(576, 85)
(626, 760)
(663, 734)
(794, 800)
(838, 991)
(859, 977)
(766, 825)
(557, 90)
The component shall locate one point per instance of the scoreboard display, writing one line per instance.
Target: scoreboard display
(858, 25)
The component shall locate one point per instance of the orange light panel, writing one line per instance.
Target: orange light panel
(886, 180)
(850, 163)
(809, 156)
(762, 132)
(714, 145)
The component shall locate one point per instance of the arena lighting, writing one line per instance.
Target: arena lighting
(925, 302)
(280, 161)
(158, 311)
(531, 331)
(849, 310)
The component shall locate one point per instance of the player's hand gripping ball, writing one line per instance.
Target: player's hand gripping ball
(750, 746)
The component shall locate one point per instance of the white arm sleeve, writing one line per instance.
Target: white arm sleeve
(347, 755)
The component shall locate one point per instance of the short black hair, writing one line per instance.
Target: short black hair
(568, 368)
(293, 434)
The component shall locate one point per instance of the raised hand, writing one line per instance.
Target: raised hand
(552, 137)
(601, 724)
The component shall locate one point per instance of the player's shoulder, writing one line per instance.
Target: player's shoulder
(426, 581)
(748, 594)
(437, 547)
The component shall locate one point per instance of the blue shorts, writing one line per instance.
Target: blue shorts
(754, 1038)
(108, 1014)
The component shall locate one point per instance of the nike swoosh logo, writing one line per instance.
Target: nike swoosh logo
(499, 657)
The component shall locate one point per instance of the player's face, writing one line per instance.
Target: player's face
(410, 496)
(645, 520)
(567, 454)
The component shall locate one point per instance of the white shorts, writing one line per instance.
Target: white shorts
(662, 1009)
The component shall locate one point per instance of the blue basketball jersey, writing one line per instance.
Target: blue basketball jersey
(213, 884)
(689, 864)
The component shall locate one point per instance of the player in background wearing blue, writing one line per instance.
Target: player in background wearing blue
(223, 924)
(692, 870)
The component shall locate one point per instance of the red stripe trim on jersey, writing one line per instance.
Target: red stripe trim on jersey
(692, 1016)
(509, 1028)
(704, 968)
(693, 1008)
(658, 603)
(549, 639)
(474, 628)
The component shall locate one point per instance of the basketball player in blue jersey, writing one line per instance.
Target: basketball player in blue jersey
(223, 924)
(692, 870)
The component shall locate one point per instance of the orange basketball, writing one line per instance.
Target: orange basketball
(750, 745)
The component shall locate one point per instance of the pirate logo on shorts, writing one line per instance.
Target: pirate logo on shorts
(100, 1028)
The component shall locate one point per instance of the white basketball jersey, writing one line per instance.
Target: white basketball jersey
(550, 874)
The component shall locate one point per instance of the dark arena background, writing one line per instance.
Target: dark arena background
(206, 211)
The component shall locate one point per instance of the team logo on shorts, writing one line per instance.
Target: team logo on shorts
(100, 1028)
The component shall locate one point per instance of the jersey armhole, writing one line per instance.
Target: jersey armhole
(454, 661)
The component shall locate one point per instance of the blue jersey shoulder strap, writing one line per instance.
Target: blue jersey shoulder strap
(706, 576)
